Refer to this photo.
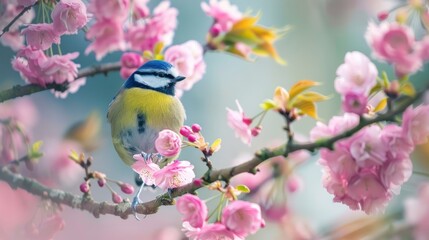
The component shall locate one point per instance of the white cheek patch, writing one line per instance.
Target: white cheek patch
(173, 71)
(151, 81)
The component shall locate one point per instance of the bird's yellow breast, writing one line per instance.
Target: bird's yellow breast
(161, 111)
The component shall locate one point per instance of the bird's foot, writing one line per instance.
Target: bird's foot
(136, 201)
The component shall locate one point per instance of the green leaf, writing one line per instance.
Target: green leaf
(215, 145)
(243, 188)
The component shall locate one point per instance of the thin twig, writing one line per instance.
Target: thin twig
(23, 90)
(25, 9)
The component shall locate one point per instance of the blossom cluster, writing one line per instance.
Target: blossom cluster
(32, 62)
(365, 170)
(239, 219)
(175, 174)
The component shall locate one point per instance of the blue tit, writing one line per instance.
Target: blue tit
(144, 106)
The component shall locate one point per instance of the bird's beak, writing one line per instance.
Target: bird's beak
(179, 78)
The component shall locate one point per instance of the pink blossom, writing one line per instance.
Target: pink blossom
(392, 135)
(294, 183)
(60, 68)
(396, 44)
(47, 228)
(168, 143)
(130, 61)
(26, 3)
(357, 74)
(224, 14)
(355, 103)
(242, 218)
(140, 9)
(13, 39)
(188, 59)
(415, 124)
(157, 28)
(215, 231)
(72, 87)
(145, 168)
(193, 210)
(175, 174)
(113, 10)
(68, 16)
(28, 63)
(41, 35)
(337, 125)
(417, 213)
(366, 147)
(106, 36)
(62, 170)
(240, 124)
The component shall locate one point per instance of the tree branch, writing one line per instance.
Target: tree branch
(24, 10)
(124, 209)
(23, 90)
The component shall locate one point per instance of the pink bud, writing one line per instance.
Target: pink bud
(294, 183)
(196, 128)
(192, 138)
(101, 182)
(256, 131)
(247, 121)
(84, 187)
(198, 182)
(126, 188)
(215, 30)
(116, 198)
(382, 15)
(185, 131)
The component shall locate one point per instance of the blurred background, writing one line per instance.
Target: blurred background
(322, 31)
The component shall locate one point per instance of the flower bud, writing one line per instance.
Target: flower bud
(382, 15)
(116, 198)
(126, 188)
(192, 138)
(256, 131)
(185, 131)
(196, 128)
(101, 182)
(198, 182)
(84, 187)
(215, 30)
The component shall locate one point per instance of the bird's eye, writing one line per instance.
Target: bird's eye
(161, 75)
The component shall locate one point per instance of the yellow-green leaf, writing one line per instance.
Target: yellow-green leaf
(301, 86)
(34, 151)
(375, 89)
(242, 188)
(157, 49)
(312, 97)
(306, 108)
(281, 98)
(381, 105)
(268, 104)
(408, 89)
(147, 55)
(244, 23)
(215, 145)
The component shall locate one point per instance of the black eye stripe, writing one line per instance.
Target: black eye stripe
(158, 74)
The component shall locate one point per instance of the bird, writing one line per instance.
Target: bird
(144, 106)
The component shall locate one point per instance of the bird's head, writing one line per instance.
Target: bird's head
(156, 75)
